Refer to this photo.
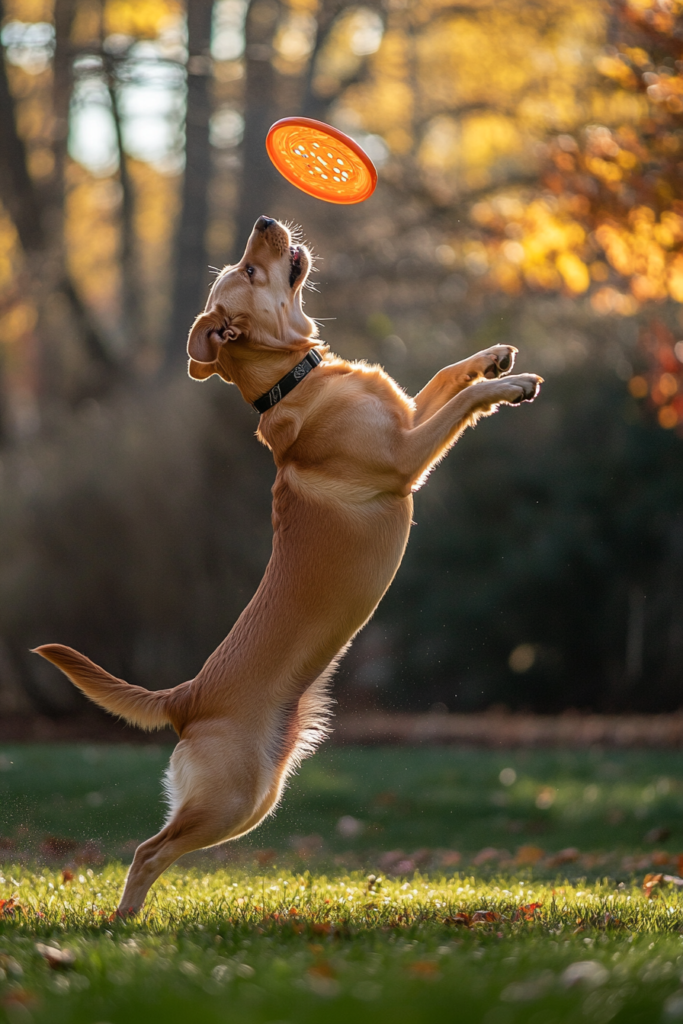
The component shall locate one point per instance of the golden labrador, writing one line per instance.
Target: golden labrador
(350, 448)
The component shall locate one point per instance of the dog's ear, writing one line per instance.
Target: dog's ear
(210, 332)
(200, 371)
(206, 337)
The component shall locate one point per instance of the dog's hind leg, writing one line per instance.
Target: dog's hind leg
(182, 835)
(219, 787)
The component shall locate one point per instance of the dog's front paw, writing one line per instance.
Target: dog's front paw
(490, 363)
(522, 388)
(499, 360)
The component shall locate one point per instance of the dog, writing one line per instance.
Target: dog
(350, 448)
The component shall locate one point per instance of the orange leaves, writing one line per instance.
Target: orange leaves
(651, 883)
(425, 970)
(141, 18)
(8, 908)
(607, 170)
(323, 969)
(544, 246)
(664, 381)
(528, 855)
(573, 271)
(617, 70)
(638, 386)
(527, 912)
(638, 249)
(461, 919)
(485, 917)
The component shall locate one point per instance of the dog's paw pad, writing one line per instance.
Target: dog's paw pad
(530, 385)
(501, 359)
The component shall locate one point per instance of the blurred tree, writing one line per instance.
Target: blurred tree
(530, 160)
(258, 178)
(191, 272)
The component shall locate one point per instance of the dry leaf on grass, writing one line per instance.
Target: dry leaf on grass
(528, 855)
(485, 917)
(527, 912)
(57, 959)
(8, 908)
(424, 969)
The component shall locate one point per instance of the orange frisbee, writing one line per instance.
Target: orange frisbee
(321, 160)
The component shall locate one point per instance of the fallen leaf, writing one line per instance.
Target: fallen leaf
(650, 884)
(528, 855)
(567, 856)
(485, 917)
(57, 959)
(527, 912)
(322, 970)
(424, 969)
(8, 908)
(609, 921)
(448, 858)
(461, 919)
(489, 853)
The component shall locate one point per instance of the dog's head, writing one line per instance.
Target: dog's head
(254, 306)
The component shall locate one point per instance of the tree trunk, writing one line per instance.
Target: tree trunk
(130, 287)
(259, 178)
(62, 84)
(191, 276)
(38, 217)
(18, 190)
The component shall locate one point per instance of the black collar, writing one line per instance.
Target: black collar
(288, 382)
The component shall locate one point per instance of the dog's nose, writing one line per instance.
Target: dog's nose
(263, 223)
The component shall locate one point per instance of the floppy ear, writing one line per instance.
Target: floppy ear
(206, 337)
(210, 332)
(200, 371)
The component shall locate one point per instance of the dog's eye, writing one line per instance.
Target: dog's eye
(250, 270)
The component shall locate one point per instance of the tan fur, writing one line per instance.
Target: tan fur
(350, 448)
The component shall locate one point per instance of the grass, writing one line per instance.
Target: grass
(410, 798)
(307, 923)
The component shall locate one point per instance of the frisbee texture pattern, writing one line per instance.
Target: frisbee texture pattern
(321, 160)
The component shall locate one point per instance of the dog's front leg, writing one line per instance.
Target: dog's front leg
(422, 446)
(490, 363)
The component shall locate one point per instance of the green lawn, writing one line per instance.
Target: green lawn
(290, 927)
(401, 798)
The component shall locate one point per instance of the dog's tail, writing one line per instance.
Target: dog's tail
(147, 709)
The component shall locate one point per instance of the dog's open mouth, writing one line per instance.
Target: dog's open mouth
(294, 264)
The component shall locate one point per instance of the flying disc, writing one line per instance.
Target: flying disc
(321, 160)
